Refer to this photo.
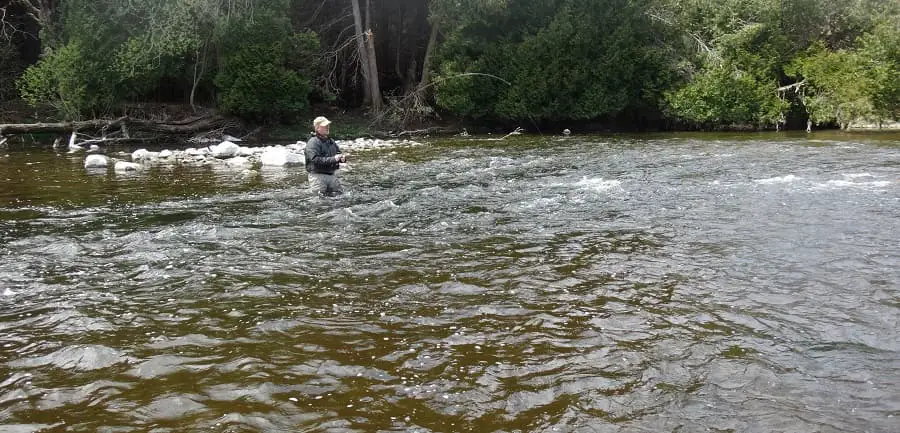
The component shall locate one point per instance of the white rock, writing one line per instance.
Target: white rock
(126, 166)
(225, 149)
(94, 148)
(281, 157)
(165, 153)
(96, 161)
(140, 154)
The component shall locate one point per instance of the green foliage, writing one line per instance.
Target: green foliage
(837, 84)
(737, 81)
(880, 55)
(140, 46)
(588, 62)
(853, 84)
(304, 55)
(723, 95)
(70, 80)
(475, 96)
(744, 50)
(260, 90)
(577, 61)
(254, 81)
(138, 71)
(74, 74)
(709, 63)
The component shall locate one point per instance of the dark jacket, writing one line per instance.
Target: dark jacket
(320, 155)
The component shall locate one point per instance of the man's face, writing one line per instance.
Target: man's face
(322, 130)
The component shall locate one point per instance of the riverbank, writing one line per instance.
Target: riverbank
(346, 125)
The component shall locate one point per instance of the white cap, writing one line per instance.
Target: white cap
(320, 121)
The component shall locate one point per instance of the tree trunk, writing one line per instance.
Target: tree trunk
(361, 49)
(40, 11)
(409, 80)
(199, 63)
(426, 62)
(373, 63)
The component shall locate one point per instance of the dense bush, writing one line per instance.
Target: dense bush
(754, 63)
(254, 81)
(71, 80)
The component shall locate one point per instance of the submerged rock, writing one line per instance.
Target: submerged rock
(238, 162)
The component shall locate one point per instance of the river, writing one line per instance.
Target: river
(677, 282)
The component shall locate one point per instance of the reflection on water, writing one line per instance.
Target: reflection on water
(725, 283)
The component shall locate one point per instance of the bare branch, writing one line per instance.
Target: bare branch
(34, 6)
(8, 29)
(795, 87)
(5, 26)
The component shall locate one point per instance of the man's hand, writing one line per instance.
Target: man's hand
(341, 157)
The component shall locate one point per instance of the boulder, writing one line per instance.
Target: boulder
(225, 149)
(140, 155)
(279, 157)
(96, 161)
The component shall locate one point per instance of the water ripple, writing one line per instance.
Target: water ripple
(595, 284)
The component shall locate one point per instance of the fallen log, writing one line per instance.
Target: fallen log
(186, 126)
(518, 131)
(181, 127)
(418, 132)
(123, 140)
(59, 128)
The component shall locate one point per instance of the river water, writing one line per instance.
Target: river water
(583, 284)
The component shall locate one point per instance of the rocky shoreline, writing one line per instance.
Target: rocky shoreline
(226, 154)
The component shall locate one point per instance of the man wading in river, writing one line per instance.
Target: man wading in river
(323, 158)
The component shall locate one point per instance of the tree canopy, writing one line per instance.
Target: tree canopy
(639, 63)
